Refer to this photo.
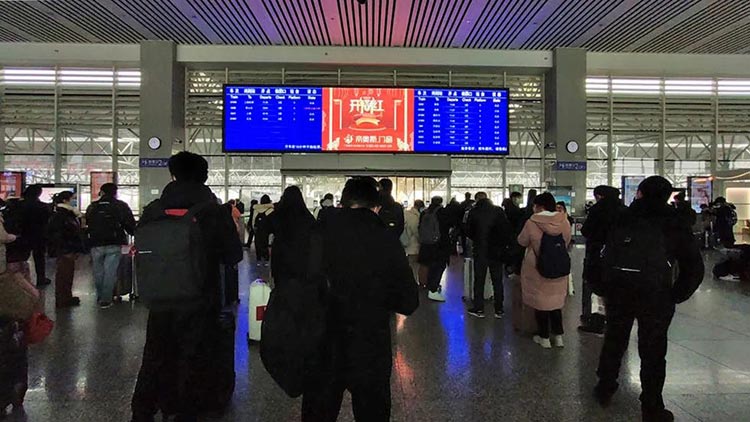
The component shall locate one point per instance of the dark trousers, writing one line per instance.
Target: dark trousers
(172, 351)
(434, 275)
(261, 249)
(481, 265)
(653, 323)
(64, 273)
(371, 402)
(250, 236)
(586, 300)
(549, 322)
(40, 263)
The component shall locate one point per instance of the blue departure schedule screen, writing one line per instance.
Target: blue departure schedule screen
(461, 121)
(272, 118)
(350, 119)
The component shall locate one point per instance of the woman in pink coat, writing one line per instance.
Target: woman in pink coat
(546, 296)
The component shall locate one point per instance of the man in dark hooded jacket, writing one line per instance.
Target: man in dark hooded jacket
(647, 296)
(491, 233)
(370, 278)
(598, 222)
(175, 335)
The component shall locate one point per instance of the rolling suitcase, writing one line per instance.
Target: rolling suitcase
(469, 282)
(524, 319)
(14, 364)
(231, 285)
(126, 284)
(260, 292)
(215, 365)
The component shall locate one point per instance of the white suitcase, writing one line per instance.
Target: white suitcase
(469, 282)
(260, 291)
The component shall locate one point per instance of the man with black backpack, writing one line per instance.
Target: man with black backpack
(391, 212)
(489, 229)
(639, 282)
(109, 222)
(183, 240)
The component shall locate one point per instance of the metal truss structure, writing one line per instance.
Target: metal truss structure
(673, 127)
(60, 124)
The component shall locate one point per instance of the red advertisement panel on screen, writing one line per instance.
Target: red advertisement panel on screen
(368, 119)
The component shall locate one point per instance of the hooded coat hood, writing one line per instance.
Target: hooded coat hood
(551, 223)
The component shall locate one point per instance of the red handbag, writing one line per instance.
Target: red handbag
(38, 328)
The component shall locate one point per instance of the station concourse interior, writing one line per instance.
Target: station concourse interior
(597, 93)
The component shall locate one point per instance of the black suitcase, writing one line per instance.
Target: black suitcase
(231, 285)
(124, 284)
(215, 365)
(14, 364)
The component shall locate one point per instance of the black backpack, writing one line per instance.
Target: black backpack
(171, 264)
(499, 243)
(553, 260)
(392, 215)
(294, 325)
(259, 221)
(635, 255)
(429, 229)
(14, 217)
(104, 223)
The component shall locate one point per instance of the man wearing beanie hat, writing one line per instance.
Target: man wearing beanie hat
(651, 263)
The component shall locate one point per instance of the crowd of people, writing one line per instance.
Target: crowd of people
(641, 260)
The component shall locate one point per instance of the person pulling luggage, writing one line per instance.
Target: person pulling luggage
(109, 222)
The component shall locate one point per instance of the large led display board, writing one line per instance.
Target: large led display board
(365, 120)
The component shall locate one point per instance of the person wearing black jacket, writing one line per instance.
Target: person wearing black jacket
(513, 212)
(490, 232)
(684, 209)
(600, 219)
(34, 215)
(391, 212)
(109, 222)
(652, 303)
(726, 218)
(370, 279)
(291, 225)
(176, 335)
(65, 244)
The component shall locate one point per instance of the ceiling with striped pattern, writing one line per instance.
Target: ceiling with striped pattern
(656, 26)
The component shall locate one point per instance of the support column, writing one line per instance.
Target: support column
(162, 113)
(57, 133)
(565, 118)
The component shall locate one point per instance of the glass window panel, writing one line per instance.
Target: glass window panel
(38, 168)
(596, 173)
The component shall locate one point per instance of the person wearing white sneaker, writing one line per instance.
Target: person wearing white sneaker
(544, 342)
(557, 341)
(437, 296)
(545, 295)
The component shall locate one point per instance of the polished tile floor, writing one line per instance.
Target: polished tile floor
(448, 366)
